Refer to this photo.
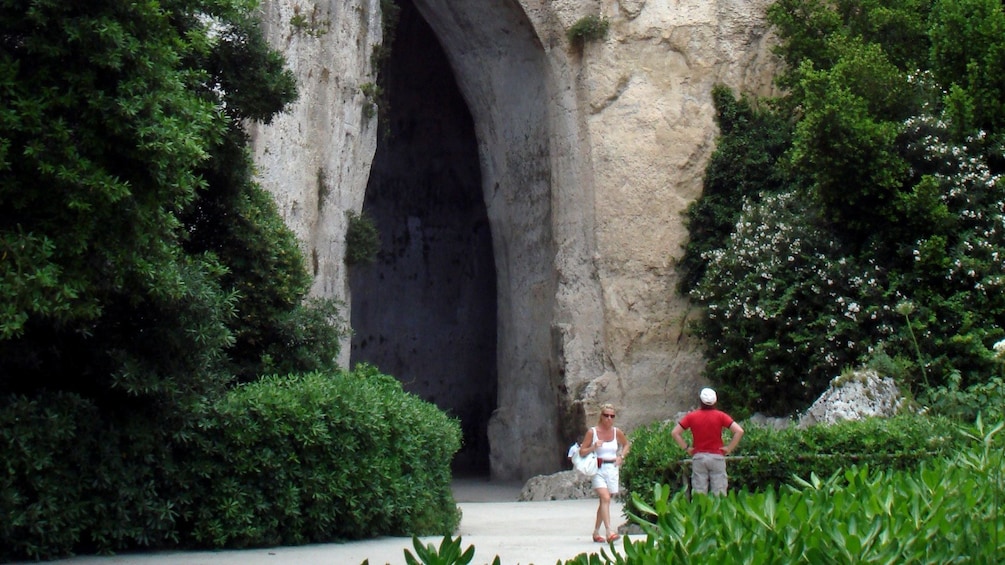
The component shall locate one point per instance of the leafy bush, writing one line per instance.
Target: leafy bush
(588, 28)
(948, 510)
(75, 480)
(784, 310)
(292, 460)
(743, 166)
(43, 508)
(769, 458)
(362, 240)
(448, 553)
(305, 339)
(980, 399)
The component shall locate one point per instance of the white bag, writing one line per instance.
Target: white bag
(583, 465)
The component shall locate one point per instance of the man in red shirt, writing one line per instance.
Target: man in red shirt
(708, 456)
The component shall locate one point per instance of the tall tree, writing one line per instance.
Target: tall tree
(137, 251)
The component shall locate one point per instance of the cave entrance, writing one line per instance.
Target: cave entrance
(425, 310)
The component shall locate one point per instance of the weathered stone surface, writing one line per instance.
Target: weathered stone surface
(315, 157)
(765, 421)
(588, 158)
(858, 395)
(564, 485)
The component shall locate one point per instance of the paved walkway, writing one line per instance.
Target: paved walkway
(520, 533)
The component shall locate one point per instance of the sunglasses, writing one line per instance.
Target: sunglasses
(608, 415)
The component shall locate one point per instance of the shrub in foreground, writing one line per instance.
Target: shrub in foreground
(75, 481)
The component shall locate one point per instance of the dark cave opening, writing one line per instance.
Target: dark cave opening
(425, 311)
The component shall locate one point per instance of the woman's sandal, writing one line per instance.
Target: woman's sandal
(612, 537)
(598, 538)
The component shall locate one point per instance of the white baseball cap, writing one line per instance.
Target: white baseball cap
(707, 396)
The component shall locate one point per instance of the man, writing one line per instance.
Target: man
(708, 465)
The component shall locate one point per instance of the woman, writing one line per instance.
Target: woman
(611, 446)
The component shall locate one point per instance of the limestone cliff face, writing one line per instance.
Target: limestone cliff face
(315, 158)
(588, 157)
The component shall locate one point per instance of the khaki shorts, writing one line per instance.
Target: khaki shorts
(708, 473)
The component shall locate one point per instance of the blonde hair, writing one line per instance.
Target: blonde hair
(605, 406)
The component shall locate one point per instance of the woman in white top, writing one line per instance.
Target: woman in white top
(611, 446)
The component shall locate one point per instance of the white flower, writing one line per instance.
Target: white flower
(1000, 348)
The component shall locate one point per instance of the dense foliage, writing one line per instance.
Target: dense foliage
(143, 267)
(291, 460)
(141, 259)
(858, 220)
(283, 460)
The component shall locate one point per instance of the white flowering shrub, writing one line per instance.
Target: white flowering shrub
(870, 227)
(957, 270)
(789, 306)
(785, 308)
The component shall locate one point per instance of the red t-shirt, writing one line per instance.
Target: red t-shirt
(706, 429)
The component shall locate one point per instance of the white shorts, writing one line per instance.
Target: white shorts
(607, 477)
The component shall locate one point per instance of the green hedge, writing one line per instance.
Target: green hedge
(286, 460)
(321, 458)
(767, 457)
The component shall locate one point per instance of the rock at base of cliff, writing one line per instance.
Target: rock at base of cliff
(564, 485)
(858, 395)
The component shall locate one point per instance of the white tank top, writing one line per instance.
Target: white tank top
(608, 450)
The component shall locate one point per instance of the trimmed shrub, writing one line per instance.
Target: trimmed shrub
(770, 458)
(313, 458)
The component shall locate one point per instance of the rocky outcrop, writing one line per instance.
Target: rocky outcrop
(857, 395)
(588, 158)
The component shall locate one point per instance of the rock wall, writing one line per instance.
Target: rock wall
(315, 158)
(588, 159)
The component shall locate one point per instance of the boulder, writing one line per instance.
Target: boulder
(564, 485)
(853, 396)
